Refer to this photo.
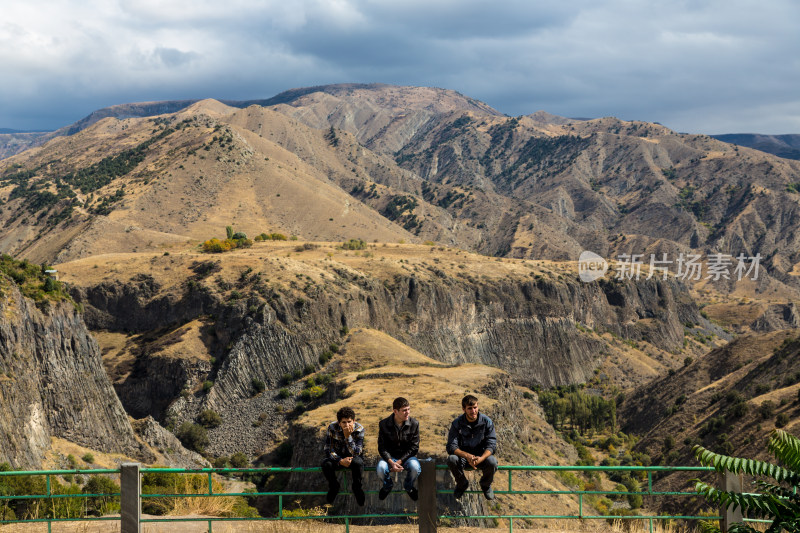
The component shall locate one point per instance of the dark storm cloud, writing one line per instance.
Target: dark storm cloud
(694, 66)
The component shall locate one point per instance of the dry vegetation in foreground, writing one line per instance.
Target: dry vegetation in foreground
(554, 526)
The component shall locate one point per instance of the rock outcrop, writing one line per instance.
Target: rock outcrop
(776, 317)
(52, 384)
(165, 443)
(533, 327)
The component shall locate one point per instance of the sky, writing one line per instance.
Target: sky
(697, 66)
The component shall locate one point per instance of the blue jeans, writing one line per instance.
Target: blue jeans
(411, 467)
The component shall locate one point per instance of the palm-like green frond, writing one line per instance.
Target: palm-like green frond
(786, 448)
(739, 465)
(756, 505)
(784, 493)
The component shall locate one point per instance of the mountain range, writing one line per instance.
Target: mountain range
(385, 162)
(394, 225)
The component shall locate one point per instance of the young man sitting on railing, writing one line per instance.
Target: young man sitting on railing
(344, 445)
(472, 442)
(398, 444)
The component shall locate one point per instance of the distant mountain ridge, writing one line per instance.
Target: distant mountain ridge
(390, 163)
(14, 144)
(787, 146)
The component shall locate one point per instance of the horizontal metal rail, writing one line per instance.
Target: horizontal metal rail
(281, 511)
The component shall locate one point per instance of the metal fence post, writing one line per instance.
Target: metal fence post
(732, 483)
(130, 498)
(427, 507)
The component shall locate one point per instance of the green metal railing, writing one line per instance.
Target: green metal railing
(499, 484)
(52, 497)
(280, 495)
(581, 515)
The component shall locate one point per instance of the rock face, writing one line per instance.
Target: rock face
(529, 327)
(167, 444)
(52, 384)
(778, 316)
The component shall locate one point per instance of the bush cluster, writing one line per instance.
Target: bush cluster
(216, 246)
(271, 237)
(354, 244)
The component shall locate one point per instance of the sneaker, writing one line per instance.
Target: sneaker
(384, 492)
(488, 493)
(413, 494)
(333, 490)
(460, 490)
(360, 496)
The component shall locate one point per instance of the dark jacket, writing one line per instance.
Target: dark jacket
(472, 438)
(398, 445)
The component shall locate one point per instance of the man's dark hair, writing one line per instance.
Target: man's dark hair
(345, 412)
(399, 403)
(469, 399)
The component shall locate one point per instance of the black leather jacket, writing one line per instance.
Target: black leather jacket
(398, 445)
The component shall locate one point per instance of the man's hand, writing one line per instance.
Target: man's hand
(345, 462)
(474, 460)
(395, 466)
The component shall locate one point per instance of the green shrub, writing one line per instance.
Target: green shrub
(284, 393)
(88, 458)
(221, 462)
(738, 410)
(258, 385)
(762, 388)
(312, 393)
(207, 385)
(239, 460)
(101, 505)
(209, 419)
(354, 244)
(193, 436)
(781, 420)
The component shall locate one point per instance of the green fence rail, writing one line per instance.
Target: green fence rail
(427, 513)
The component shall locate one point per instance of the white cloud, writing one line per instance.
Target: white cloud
(690, 65)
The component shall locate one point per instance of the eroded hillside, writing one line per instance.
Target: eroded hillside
(391, 163)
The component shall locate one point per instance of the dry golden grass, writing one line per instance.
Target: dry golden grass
(552, 526)
(220, 506)
(60, 449)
